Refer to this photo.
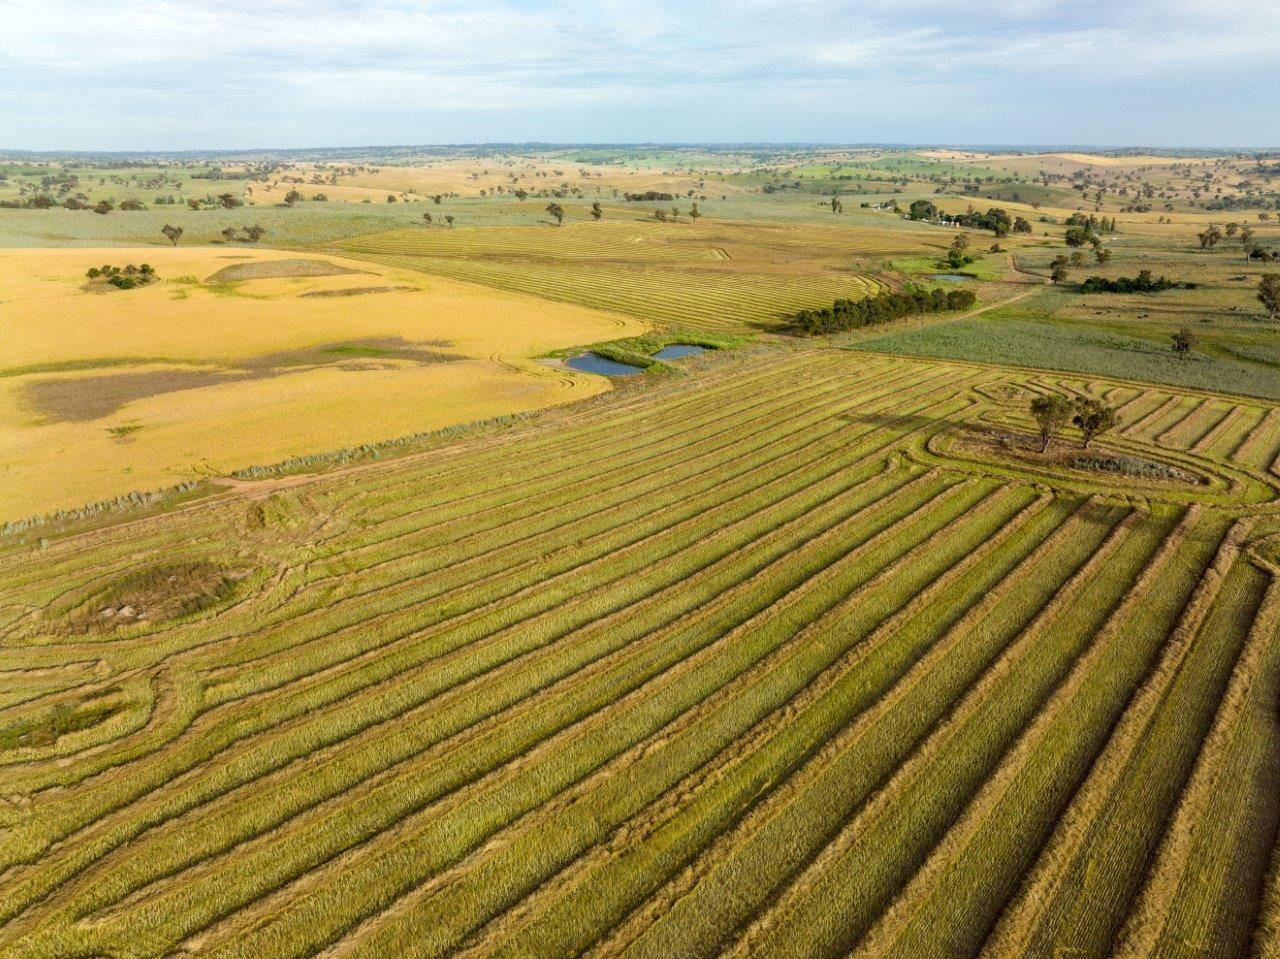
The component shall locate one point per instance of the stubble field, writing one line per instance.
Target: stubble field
(802, 656)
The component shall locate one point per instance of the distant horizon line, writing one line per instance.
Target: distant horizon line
(1025, 148)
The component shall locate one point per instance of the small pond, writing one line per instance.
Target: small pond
(590, 363)
(677, 350)
(950, 277)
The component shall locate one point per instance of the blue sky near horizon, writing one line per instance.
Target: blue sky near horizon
(170, 74)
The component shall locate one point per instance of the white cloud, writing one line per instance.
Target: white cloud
(399, 61)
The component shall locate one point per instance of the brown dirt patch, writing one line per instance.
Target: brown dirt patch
(272, 269)
(80, 399)
(86, 398)
(358, 291)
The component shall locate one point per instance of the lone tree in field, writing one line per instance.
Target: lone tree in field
(1269, 293)
(230, 234)
(557, 211)
(1058, 269)
(172, 232)
(922, 210)
(836, 205)
(1093, 418)
(254, 233)
(292, 197)
(448, 218)
(1209, 238)
(1051, 414)
(597, 211)
(1246, 240)
(694, 212)
(1183, 341)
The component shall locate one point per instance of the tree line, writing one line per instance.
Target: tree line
(853, 314)
(1144, 282)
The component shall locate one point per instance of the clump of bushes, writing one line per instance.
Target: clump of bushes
(1144, 282)
(995, 219)
(853, 314)
(127, 277)
(1130, 466)
(649, 195)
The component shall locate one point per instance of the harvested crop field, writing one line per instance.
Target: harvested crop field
(710, 277)
(769, 662)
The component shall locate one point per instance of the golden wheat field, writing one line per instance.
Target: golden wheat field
(237, 357)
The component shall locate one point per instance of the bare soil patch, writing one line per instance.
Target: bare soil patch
(81, 399)
(93, 397)
(358, 291)
(272, 269)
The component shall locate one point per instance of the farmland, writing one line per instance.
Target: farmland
(340, 618)
(777, 660)
(207, 371)
(716, 279)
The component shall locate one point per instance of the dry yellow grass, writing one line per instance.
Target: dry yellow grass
(469, 175)
(102, 393)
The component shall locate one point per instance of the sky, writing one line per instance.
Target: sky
(229, 74)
